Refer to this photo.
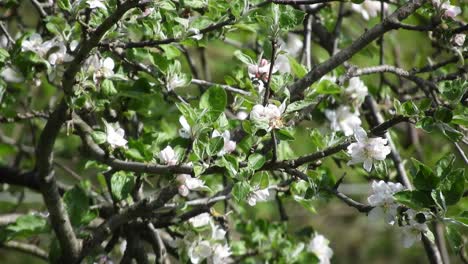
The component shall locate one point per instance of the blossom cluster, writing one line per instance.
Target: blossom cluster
(411, 224)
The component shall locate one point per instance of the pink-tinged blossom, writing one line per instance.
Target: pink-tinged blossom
(450, 10)
(168, 156)
(229, 145)
(188, 183)
(260, 71)
(459, 40)
(269, 115)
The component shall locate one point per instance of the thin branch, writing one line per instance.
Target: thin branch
(270, 71)
(44, 151)
(24, 116)
(100, 155)
(363, 208)
(303, 2)
(30, 249)
(142, 208)
(7, 34)
(154, 43)
(224, 86)
(6, 219)
(370, 35)
(39, 8)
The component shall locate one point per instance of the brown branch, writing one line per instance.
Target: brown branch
(24, 116)
(154, 43)
(370, 35)
(44, 151)
(30, 249)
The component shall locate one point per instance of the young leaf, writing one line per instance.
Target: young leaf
(256, 161)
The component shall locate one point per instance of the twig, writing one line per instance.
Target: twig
(270, 71)
(30, 249)
(370, 35)
(224, 86)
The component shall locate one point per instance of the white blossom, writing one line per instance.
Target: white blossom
(217, 233)
(4, 41)
(258, 196)
(168, 156)
(188, 183)
(242, 115)
(60, 56)
(356, 90)
(450, 10)
(174, 81)
(366, 149)
(269, 114)
(100, 68)
(282, 64)
(459, 39)
(342, 119)
(383, 201)
(115, 136)
(34, 43)
(413, 230)
(229, 145)
(12, 74)
(199, 250)
(221, 254)
(186, 130)
(200, 220)
(96, 4)
(293, 45)
(319, 246)
(368, 8)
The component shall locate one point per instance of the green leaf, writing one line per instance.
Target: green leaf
(415, 199)
(256, 161)
(26, 226)
(298, 105)
(427, 123)
(108, 88)
(327, 87)
(99, 137)
(261, 179)
(171, 51)
(3, 55)
(298, 69)
(454, 237)
(424, 104)
(240, 191)
(443, 114)
(451, 133)
(122, 185)
(77, 204)
(64, 5)
(243, 57)
(453, 186)
(424, 179)
(290, 17)
(216, 145)
(454, 90)
(409, 108)
(134, 154)
(215, 100)
(231, 164)
(284, 134)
